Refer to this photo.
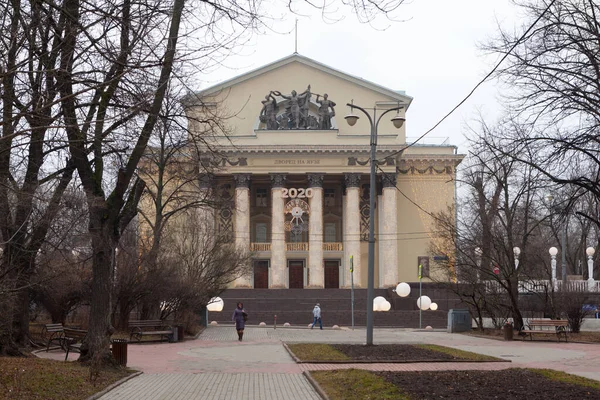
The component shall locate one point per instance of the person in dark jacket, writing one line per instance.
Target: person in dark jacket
(239, 316)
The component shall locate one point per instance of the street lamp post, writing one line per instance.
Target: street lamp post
(517, 252)
(563, 239)
(374, 122)
(590, 254)
(553, 251)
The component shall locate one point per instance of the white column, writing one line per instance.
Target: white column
(241, 222)
(352, 228)
(315, 232)
(278, 260)
(389, 258)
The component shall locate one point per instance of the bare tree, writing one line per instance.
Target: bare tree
(92, 78)
(554, 80)
(202, 264)
(503, 210)
(34, 167)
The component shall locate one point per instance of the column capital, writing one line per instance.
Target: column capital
(277, 180)
(352, 180)
(242, 180)
(389, 180)
(315, 180)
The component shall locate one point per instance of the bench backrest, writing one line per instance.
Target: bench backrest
(75, 333)
(54, 327)
(150, 323)
(548, 322)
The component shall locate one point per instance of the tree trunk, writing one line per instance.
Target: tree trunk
(97, 342)
(514, 302)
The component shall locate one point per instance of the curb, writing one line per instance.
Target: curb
(399, 361)
(112, 386)
(315, 385)
(291, 353)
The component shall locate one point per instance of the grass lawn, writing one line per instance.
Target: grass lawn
(456, 353)
(355, 384)
(34, 378)
(514, 383)
(319, 352)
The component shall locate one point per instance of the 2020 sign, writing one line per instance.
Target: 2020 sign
(293, 193)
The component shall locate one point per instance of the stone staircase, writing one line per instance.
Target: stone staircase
(295, 306)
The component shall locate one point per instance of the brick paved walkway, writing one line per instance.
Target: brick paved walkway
(242, 386)
(217, 366)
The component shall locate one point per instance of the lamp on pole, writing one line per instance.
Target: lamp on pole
(517, 252)
(590, 254)
(563, 238)
(398, 121)
(553, 252)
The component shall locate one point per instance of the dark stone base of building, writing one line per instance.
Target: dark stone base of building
(295, 306)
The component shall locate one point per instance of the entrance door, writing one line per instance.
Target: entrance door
(332, 274)
(296, 272)
(261, 274)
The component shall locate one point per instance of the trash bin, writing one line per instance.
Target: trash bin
(508, 332)
(180, 333)
(173, 336)
(119, 351)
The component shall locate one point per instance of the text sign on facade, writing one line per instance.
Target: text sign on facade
(294, 193)
(297, 162)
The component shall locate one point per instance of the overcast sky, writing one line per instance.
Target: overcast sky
(433, 55)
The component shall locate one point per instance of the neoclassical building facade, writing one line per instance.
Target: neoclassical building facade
(293, 177)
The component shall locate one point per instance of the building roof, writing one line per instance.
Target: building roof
(398, 95)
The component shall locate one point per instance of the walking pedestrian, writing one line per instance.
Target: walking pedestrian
(240, 317)
(317, 316)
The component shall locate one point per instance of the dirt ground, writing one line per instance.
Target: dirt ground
(484, 385)
(384, 352)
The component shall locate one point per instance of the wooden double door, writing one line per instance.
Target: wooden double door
(332, 274)
(261, 274)
(296, 274)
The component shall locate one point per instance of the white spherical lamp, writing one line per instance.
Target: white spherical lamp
(553, 251)
(423, 302)
(215, 304)
(385, 306)
(403, 289)
(433, 306)
(589, 251)
(378, 303)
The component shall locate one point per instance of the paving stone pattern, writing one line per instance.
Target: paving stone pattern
(215, 386)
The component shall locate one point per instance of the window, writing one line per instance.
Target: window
(262, 197)
(261, 232)
(424, 262)
(329, 198)
(330, 232)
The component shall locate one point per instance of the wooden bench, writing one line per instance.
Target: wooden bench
(52, 333)
(72, 340)
(560, 328)
(140, 328)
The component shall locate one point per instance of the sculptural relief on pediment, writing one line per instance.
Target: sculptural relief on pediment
(297, 111)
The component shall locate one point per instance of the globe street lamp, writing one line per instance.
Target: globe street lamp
(590, 253)
(553, 252)
(517, 252)
(398, 121)
(563, 237)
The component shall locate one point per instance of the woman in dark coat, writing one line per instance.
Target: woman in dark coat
(239, 316)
